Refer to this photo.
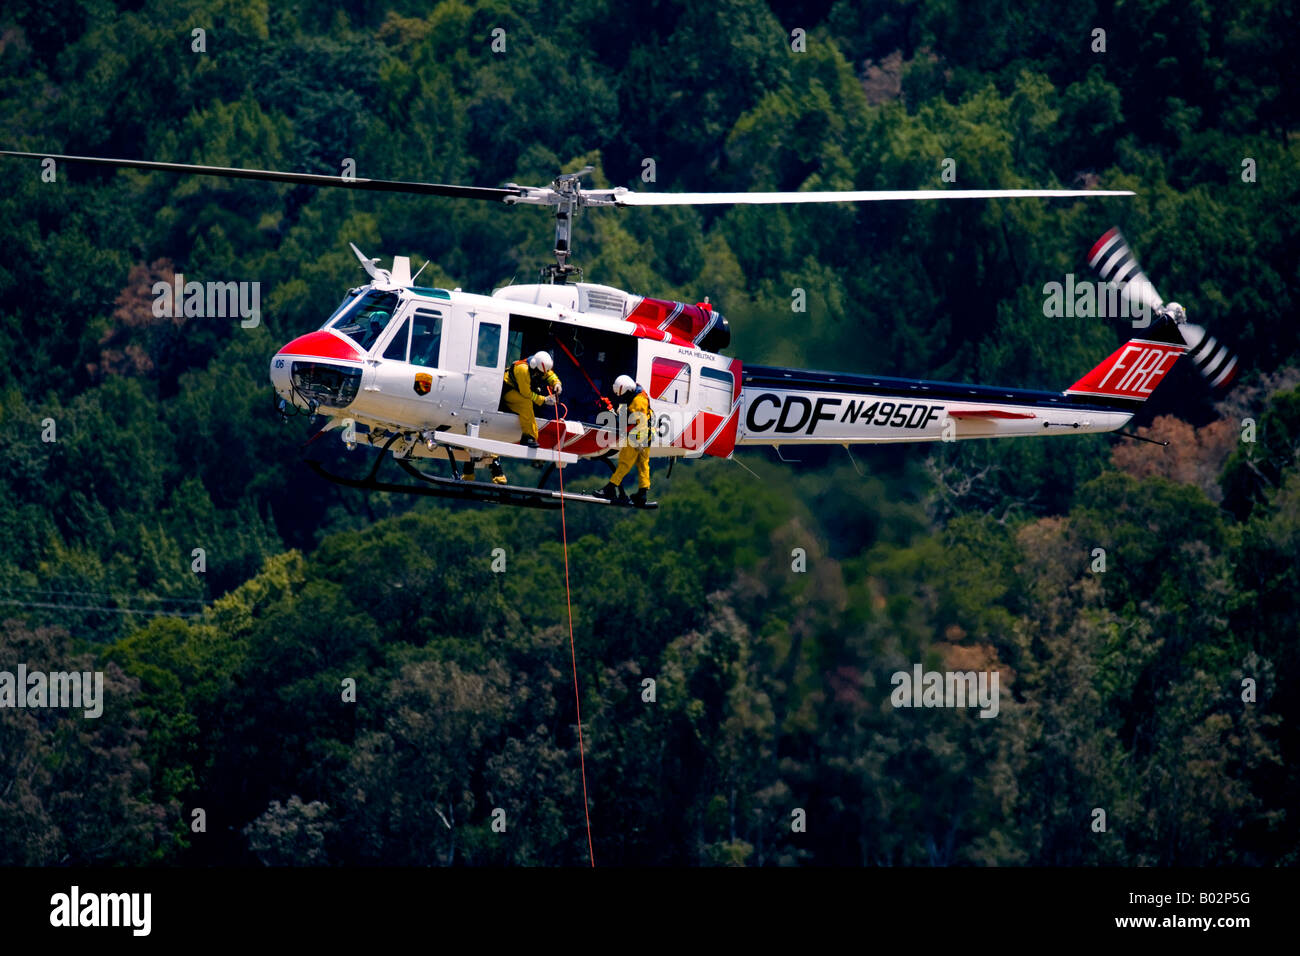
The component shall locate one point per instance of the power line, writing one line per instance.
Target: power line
(88, 603)
(91, 607)
(102, 594)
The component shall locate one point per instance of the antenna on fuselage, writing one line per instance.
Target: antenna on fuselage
(368, 264)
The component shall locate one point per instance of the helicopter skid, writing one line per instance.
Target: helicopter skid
(460, 489)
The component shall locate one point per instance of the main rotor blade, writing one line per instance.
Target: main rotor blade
(306, 179)
(627, 198)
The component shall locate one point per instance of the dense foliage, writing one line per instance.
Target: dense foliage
(1122, 689)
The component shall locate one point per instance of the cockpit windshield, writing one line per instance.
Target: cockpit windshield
(346, 304)
(364, 322)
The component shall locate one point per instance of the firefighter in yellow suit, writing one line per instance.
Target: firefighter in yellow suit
(636, 449)
(529, 384)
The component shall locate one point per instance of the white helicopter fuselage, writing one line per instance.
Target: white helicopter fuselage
(433, 364)
(422, 371)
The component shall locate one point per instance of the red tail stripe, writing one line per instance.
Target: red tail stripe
(1096, 248)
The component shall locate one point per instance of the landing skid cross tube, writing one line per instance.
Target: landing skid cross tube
(462, 490)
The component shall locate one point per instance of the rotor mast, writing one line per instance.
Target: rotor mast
(567, 196)
(569, 191)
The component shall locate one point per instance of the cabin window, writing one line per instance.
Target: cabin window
(426, 337)
(716, 388)
(670, 381)
(488, 350)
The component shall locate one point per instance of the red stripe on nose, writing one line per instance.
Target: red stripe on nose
(321, 344)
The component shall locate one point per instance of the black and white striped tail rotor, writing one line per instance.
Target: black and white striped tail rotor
(1213, 360)
(1115, 262)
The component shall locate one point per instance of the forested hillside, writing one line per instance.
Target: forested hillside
(1160, 689)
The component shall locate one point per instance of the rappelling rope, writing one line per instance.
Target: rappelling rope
(568, 600)
(601, 400)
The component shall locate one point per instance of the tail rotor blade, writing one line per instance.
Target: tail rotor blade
(1213, 360)
(1114, 261)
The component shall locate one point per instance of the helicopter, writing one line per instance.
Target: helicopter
(418, 372)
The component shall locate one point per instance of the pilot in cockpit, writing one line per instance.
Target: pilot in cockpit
(373, 322)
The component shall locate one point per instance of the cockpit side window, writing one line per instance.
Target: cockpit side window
(366, 323)
(397, 344)
(426, 337)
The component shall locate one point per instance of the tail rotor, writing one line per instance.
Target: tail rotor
(1216, 362)
(1114, 261)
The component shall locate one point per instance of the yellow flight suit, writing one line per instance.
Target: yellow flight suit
(636, 451)
(519, 397)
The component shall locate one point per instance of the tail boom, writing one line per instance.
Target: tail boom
(781, 406)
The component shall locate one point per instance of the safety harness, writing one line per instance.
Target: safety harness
(510, 373)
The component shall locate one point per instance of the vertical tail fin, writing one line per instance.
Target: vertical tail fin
(1132, 372)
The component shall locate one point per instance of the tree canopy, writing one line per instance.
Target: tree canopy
(339, 679)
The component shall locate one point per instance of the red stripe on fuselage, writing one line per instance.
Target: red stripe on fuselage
(588, 443)
(724, 442)
(988, 413)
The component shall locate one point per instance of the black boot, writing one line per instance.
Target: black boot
(528, 441)
(468, 473)
(498, 476)
(610, 491)
(638, 499)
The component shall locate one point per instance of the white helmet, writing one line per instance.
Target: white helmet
(624, 384)
(541, 362)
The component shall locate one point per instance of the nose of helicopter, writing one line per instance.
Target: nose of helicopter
(319, 368)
